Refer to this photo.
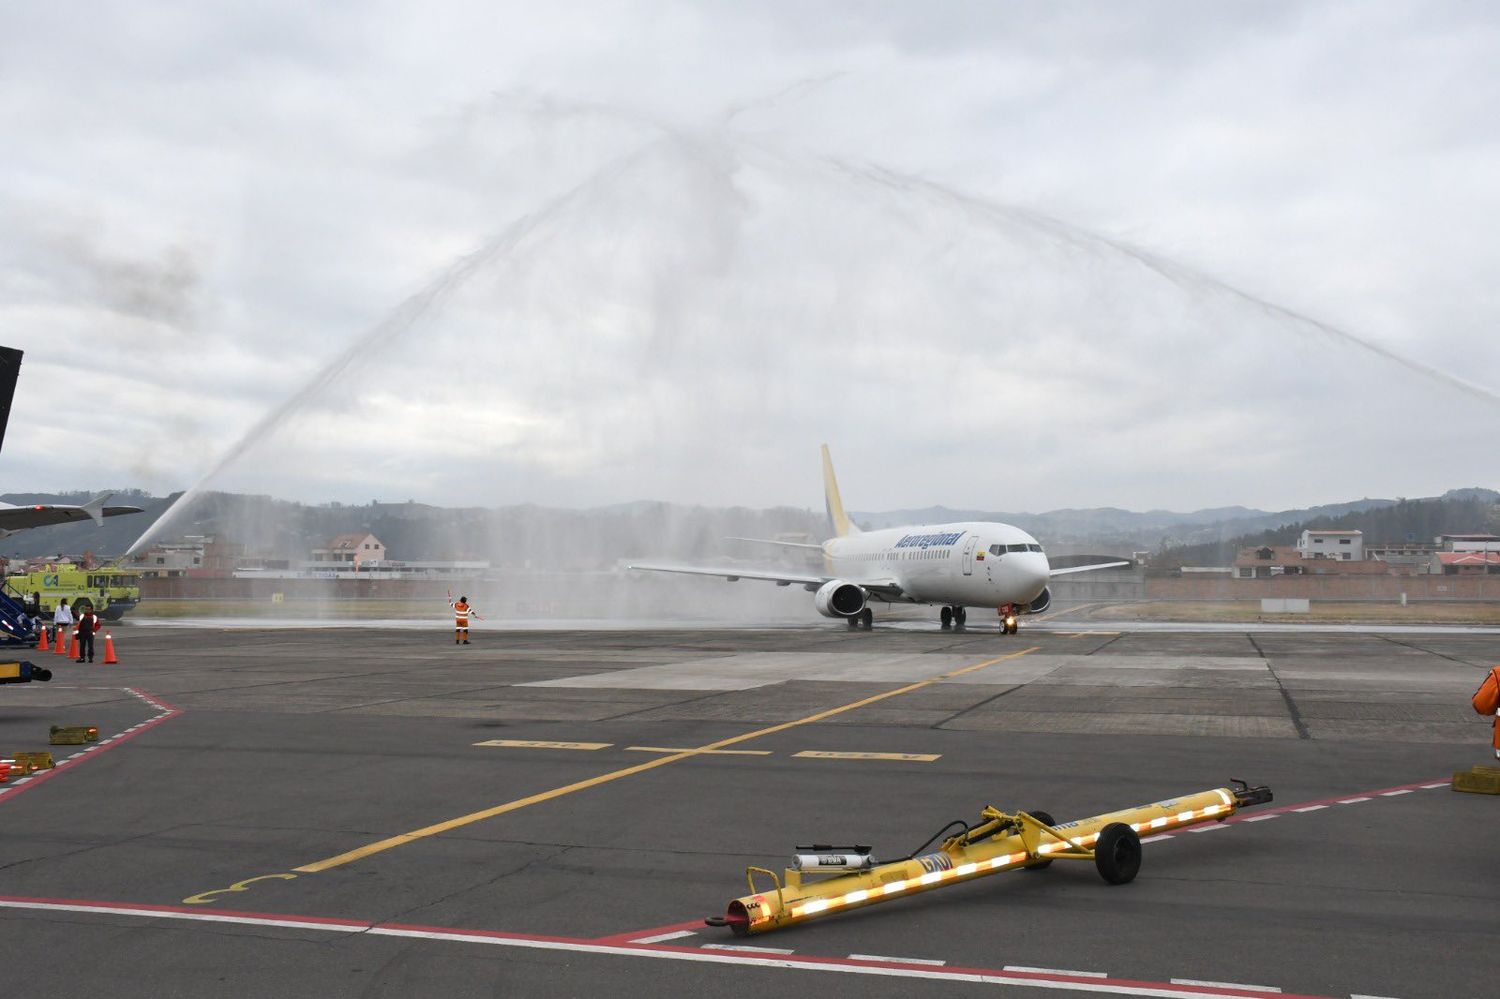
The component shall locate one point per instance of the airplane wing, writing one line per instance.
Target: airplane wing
(779, 544)
(16, 518)
(733, 575)
(1089, 568)
(886, 590)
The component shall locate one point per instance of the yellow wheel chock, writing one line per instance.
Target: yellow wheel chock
(997, 842)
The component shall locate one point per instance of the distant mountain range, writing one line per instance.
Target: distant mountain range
(598, 537)
(1110, 526)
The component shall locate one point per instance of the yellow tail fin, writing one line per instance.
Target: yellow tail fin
(842, 526)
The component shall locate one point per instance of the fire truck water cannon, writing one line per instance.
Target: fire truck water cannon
(824, 879)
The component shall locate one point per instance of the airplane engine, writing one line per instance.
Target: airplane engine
(839, 598)
(1042, 602)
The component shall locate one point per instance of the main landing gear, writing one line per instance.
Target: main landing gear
(953, 617)
(865, 619)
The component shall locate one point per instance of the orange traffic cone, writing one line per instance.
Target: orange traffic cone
(73, 646)
(41, 642)
(109, 650)
(59, 646)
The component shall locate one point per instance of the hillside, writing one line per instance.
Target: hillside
(1111, 526)
(1458, 511)
(596, 538)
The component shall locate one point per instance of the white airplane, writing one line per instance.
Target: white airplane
(19, 518)
(954, 566)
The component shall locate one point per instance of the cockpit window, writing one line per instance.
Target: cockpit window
(1015, 548)
(1033, 548)
(997, 549)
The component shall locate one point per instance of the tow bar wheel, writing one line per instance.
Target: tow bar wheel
(1117, 855)
(1046, 819)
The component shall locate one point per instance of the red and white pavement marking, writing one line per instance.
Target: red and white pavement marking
(673, 942)
(1304, 807)
(725, 955)
(164, 712)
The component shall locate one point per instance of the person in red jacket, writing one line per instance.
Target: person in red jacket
(84, 628)
(1487, 702)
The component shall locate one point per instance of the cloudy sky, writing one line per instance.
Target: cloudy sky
(998, 255)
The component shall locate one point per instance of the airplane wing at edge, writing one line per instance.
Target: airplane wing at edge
(1090, 568)
(16, 518)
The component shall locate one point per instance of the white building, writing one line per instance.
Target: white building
(1468, 542)
(1345, 546)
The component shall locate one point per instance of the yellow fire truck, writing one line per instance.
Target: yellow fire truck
(111, 589)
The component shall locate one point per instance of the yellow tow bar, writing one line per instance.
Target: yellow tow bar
(848, 878)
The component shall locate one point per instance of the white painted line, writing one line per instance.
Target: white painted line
(748, 949)
(202, 917)
(1216, 825)
(1057, 971)
(744, 957)
(1425, 787)
(1225, 985)
(1361, 995)
(1351, 801)
(1157, 838)
(1392, 794)
(1262, 818)
(662, 937)
(897, 960)
(1310, 808)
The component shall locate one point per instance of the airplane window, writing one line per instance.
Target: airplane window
(997, 549)
(1015, 548)
(1033, 548)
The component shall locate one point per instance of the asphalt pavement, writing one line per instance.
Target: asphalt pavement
(364, 812)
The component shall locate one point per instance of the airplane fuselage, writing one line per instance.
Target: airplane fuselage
(973, 564)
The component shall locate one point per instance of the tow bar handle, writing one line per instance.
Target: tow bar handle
(1245, 795)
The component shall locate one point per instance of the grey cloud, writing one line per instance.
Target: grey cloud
(693, 327)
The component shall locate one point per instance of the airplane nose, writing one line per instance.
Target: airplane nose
(1039, 571)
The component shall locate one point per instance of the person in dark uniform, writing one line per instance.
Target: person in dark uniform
(84, 628)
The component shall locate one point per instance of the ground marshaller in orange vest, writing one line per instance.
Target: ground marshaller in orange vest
(1487, 702)
(462, 611)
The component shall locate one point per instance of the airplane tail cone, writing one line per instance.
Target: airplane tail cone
(109, 650)
(41, 642)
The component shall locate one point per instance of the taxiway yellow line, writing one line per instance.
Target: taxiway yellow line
(817, 754)
(698, 752)
(437, 829)
(532, 744)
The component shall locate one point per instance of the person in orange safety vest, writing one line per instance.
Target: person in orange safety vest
(1487, 702)
(462, 611)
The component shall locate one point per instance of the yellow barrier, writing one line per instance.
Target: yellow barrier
(73, 735)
